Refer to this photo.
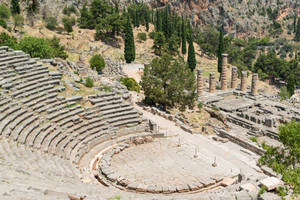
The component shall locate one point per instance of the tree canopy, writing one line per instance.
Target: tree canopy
(168, 82)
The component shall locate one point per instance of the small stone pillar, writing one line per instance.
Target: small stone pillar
(212, 82)
(234, 78)
(244, 81)
(254, 89)
(224, 72)
(199, 82)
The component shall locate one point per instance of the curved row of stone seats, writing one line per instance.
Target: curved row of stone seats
(33, 114)
(35, 162)
(114, 110)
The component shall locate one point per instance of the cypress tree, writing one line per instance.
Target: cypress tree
(295, 23)
(137, 20)
(291, 85)
(15, 7)
(129, 50)
(183, 36)
(191, 55)
(147, 20)
(220, 49)
(297, 37)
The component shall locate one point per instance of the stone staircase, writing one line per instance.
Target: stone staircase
(46, 135)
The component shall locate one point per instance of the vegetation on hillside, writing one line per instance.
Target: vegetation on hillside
(35, 47)
(286, 159)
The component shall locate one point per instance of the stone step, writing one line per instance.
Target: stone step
(46, 143)
(68, 114)
(9, 111)
(38, 134)
(20, 60)
(22, 126)
(24, 135)
(127, 121)
(14, 120)
(11, 56)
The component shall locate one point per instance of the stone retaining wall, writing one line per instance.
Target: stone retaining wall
(235, 139)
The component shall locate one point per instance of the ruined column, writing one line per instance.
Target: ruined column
(212, 82)
(234, 78)
(224, 72)
(254, 89)
(199, 82)
(244, 81)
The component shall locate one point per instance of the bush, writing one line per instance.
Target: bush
(6, 40)
(68, 24)
(41, 47)
(89, 82)
(152, 35)
(284, 94)
(4, 11)
(142, 36)
(3, 23)
(51, 23)
(97, 62)
(36, 47)
(200, 106)
(131, 84)
(59, 50)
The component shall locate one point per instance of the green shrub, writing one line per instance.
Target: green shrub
(51, 23)
(68, 24)
(6, 40)
(41, 47)
(4, 11)
(142, 36)
(262, 190)
(97, 62)
(152, 35)
(200, 105)
(89, 82)
(253, 139)
(59, 50)
(131, 84)
(3, 23)
(36, 47)
(284, 94)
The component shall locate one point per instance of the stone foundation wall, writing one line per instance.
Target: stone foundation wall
(247, 145)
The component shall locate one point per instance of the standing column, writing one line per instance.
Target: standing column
(212, 82)
(254, 89)
(199, 82)
(234, 78)
(244, 81)
(224, 72)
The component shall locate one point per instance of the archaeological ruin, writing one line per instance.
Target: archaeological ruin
(101, 146)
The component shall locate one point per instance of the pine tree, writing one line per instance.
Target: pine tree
(129, 50)
(291, 85)
(220, 49)
(183, 36)
(15, 7)
(297, 37)
(191, 55)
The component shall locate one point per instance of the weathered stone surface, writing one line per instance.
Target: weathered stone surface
(271, 183)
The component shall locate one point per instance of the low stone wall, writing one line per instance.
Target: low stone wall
(115, 179)
(246, 144)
